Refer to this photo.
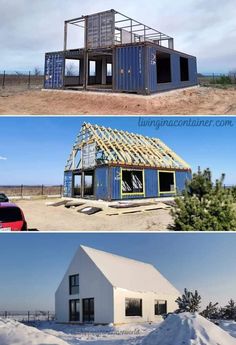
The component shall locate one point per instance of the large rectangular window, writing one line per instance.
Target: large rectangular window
(132, 181)
(160, 307)
(133, 307)
(166, 182)
(74, 284)
(74, 308)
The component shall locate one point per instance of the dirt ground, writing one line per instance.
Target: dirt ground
(191, 101)
(42, 217)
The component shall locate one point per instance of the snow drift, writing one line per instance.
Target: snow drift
(188, 329)
(15, 333)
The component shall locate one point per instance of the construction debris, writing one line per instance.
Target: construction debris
(89, 210)
(73, 204)
(58, 203)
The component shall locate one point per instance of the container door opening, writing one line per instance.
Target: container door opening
(88, 185)
(184, 70)
(72, 74)
(163, 68)
(88, 310)
(166, 182)
(100, 73)
(109, 74)
(132, 182)
(77, 186)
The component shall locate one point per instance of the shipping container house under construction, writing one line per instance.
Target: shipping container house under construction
(119, 54)
(111, 164)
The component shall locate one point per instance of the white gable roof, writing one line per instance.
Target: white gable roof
(130, 274)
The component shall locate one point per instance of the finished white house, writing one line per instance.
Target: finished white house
(103, 288)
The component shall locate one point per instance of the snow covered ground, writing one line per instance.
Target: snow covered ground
(15, 333)
(187, 329)
(99, 335)
(229, 326)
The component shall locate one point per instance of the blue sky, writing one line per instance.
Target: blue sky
(202, 28)
(34, 150)
(32, 265)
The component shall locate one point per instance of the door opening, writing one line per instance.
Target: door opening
(74, 310)
(88, 186)
(184, 70)
(163, 68)
(77, 186)
(88, 310)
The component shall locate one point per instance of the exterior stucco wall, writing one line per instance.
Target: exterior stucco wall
(92, 285)
(148, 299)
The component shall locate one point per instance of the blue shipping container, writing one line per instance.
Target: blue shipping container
(129, 69)
(54, 65)
(102, 183)
(136, 69)
(181, 178)
(115, 183)
(68, 182)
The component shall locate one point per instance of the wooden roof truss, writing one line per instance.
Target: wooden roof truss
(117, 147)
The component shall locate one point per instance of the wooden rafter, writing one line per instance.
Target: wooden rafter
(122, 147)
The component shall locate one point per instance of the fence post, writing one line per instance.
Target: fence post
(5, 314)
(42, 190)
(213, 77)
(61, 189)
(3, 79)
(29, 80)
(21, 191)
(48, 315)
(28, 316)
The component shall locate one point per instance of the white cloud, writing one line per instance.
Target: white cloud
(3, 158)
(202, 28)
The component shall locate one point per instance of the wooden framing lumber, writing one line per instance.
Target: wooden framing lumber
(124, 148)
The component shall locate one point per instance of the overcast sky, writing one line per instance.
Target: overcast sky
(206, 29)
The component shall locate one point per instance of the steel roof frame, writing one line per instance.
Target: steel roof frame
(154, 35)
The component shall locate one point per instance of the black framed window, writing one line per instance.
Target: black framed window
(133, 307)
(132, 181)
(74, 308)
(88, 310)
(74, 284)
(160, 307)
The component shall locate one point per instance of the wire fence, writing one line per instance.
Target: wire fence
(21, 79)
(34, 190)
(28, 316)
(217, 79)
(34, 79)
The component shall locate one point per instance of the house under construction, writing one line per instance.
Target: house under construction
(119, 54)
(112, 164)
